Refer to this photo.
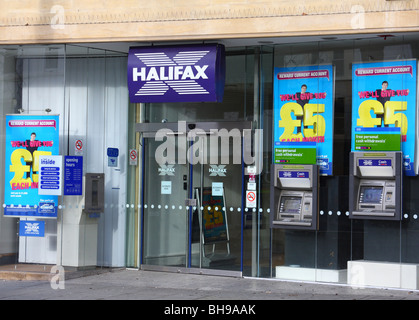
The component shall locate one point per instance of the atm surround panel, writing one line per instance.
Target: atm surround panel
(294, 204)
(294, 208)
(375, 191)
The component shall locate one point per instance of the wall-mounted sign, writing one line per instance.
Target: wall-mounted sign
(384, 116)
(73, 176)
(50, 175)
(78, 147)
(133, 157)
(303, 113)
(250, 199)
(193, 73)
(27, 138)
(113, 154)
(31, 228)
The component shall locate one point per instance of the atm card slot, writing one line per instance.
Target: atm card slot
(289, 216)
(293, 222)
(373, 213)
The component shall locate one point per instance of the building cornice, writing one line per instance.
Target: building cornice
(142, 21)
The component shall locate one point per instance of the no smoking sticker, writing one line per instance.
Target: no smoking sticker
(250, 199)
(78, 148)
(133, 156)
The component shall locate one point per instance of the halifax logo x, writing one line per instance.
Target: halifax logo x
(159, 73)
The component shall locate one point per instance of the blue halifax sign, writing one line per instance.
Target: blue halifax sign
(32, 228)
(193, 73)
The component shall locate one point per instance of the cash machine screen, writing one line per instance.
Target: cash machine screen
(291, 204)
(371, 194)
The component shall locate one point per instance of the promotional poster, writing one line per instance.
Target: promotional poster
(213, 217)
(27, 138)
(303, 115)
(384, 109)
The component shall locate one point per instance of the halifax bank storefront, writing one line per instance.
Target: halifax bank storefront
(288, 161)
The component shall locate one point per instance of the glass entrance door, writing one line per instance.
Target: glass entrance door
(192, 198)
(165, 220)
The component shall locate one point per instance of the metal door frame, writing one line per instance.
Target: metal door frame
(149, 130)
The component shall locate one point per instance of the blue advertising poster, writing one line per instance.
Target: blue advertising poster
(384, 109)
(32, 228)
(303, 112)
(27, 138)
(73, 175)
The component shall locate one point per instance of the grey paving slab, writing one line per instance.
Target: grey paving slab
(151, 285)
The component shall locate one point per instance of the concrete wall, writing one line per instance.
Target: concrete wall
(42, 21)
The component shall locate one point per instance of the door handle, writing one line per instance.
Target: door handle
(190, 202)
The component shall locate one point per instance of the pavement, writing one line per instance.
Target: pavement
(128, 284)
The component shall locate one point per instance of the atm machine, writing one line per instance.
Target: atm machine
(95, 193)
(375, 185)
(294, 196)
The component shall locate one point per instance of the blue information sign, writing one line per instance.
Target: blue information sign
(113, 154)
(73, 175)
(374, 162)
(31, 228)
(294, 174)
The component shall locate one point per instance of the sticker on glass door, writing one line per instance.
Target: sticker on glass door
(166, 187)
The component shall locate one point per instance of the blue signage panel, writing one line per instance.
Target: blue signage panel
(113, 157)
(374, 162)
(112, 152)
(27, 138)
(294, 174)
(73, 175)
(31, 228)
(303, 111)
(193, 73)
(384, 98)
